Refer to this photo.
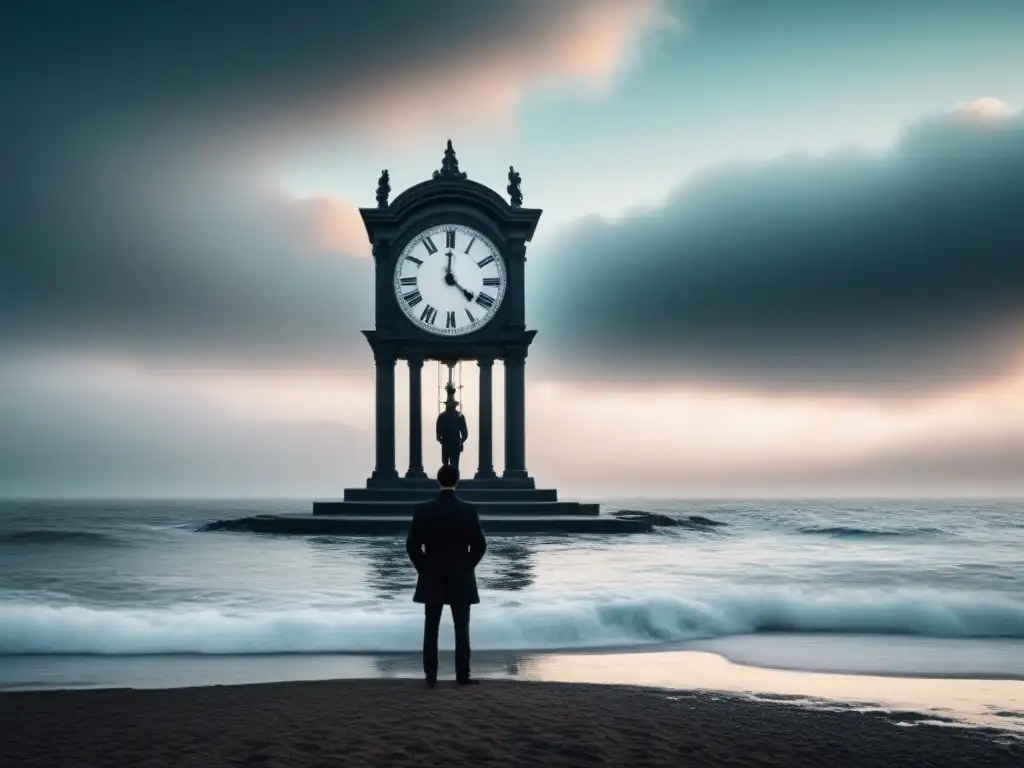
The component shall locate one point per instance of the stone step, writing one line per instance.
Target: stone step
(465, 484)
(471, 493)
(498, 508)
(354, 525)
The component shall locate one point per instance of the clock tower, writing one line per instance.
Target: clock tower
(450, 257)
(449, 265)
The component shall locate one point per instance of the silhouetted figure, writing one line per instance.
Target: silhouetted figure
(452, 431)
(445, 543)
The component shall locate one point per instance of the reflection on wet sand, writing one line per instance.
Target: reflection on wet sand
(993, 703)
(996, 703)
(485, 664)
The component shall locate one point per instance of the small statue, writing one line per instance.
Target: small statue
(452, 431)
(449, 165)
(514, 192)
(383, 189)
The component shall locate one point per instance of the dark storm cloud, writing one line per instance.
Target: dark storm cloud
(133, 215)
(244, 59)
(181, 274)
(851, 271)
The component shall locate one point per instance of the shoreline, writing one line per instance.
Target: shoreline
(491, 655)
(990, 702)
(514, 723)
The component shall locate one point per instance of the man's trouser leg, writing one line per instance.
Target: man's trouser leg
(450, 454)
(460, 618)
(431, 624)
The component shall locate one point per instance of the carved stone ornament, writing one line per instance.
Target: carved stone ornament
(514, 192)
(450, 165)
(383, 189)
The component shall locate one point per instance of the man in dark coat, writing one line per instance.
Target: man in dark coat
(452, 431)
(445, 543)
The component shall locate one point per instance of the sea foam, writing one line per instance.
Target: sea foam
(38, 628)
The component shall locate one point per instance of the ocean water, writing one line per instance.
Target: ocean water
(106, 592)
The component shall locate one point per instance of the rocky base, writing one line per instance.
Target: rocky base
(398, 525)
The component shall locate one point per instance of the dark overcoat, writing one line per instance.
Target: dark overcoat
(445, 543)
(452, 428)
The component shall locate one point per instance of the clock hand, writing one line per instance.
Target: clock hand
(467, 294)
(452, 281)
(449, 278)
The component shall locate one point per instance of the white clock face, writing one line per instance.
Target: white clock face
(450, 280)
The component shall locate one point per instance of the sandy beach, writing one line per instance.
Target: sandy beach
(402, 723)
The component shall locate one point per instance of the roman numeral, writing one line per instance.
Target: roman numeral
(429, 245)
(484, 300)
(412, 299)
(450, 322)
(486, 261)
(412, 281)
(470, 245)
(428, 315)
(470, 316)
(492, 281)
(414, 260)
(449, 238)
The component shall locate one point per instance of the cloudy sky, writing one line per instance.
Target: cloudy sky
(782, 249)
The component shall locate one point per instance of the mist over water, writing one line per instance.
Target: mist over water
(127, 579)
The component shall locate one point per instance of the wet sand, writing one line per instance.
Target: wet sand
(507, 723)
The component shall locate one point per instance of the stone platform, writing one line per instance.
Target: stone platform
(476, 495)
(398, 525)
(404, 508)
(498, 497)
(507, 506)
(428, 483)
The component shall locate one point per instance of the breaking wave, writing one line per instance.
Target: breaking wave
(33, 628)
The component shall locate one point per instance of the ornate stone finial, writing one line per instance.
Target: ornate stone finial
(449, 165)
(514, 192)
(383, 189)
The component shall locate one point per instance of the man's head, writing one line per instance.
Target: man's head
(448, 476)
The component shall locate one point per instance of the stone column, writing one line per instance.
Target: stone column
(415, 418)
(517, 284)
(485, 433)
(384, 358)
(515, 414)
